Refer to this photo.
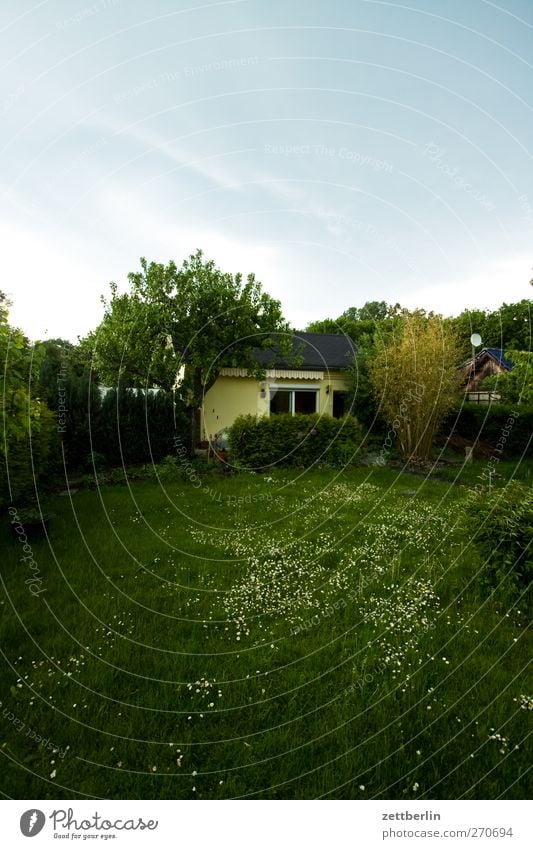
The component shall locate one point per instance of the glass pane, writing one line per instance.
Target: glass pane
(280, 401)
(304, 401)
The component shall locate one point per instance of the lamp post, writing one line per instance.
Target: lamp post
(475, 341)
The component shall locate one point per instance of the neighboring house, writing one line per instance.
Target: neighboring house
(317, 385)
(487, 362)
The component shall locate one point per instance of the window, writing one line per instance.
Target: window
(280, 401)
(293, 400)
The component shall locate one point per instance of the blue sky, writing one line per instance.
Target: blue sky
(343, 151)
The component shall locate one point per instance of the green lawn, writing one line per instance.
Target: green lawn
(280, 635)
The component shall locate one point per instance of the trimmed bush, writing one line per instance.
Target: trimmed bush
(497, 425)
(138, 427)
(301, 440)
(502, 529)
(80, 428)
(27, 458)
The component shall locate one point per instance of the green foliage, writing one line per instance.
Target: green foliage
(368, 326)
(508, 327)
(506, 428)
(27, 458)
(415, 381)
(82, 424)
(170, 469)
(192, 320)
(361, 397)
(69, 386)
(502, 528)
(301, 440)
(362, 324)
(139, 427)
(515, 386)
(56, 356)
(132, 343)
(127, 426)
(27, 424)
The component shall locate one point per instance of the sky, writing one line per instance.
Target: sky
(343, 151)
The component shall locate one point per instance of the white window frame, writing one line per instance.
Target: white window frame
(277, 387)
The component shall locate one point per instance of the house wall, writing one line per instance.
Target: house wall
(486, 369)
(232, 396)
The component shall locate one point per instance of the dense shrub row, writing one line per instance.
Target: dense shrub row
(501, 524)
(134, 427)
(301, 440)
(121, 428)
(497, 425)
(27, 458)
(124, 427)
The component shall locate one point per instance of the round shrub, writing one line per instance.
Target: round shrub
(301, 440)
(502, 529)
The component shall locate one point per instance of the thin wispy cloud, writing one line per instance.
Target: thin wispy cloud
(343, 152)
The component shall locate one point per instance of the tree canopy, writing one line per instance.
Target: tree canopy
(193, 321)
(508, 327)
(27, 424)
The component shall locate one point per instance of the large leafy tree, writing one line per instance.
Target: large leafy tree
(27, 424)
(189, 321)
(509, 326)
(415, 381)
(360, 323)
(20, 363)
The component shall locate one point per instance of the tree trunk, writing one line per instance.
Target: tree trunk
(195, 418)
(195, 395)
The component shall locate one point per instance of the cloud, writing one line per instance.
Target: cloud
(55, 275)
(54, 282)
(495, 281)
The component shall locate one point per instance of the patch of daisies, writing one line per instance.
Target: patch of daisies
(303, 564)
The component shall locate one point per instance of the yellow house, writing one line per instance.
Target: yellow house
(317, 385)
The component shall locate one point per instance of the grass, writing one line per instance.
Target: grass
(263, 636)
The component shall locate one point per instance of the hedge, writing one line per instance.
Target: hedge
(135, 427)
(300, 440)
(27, 459)
(501, 525)
(510, 428)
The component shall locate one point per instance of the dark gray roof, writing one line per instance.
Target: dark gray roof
(317, 351)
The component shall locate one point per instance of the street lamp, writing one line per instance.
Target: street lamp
(475, 341)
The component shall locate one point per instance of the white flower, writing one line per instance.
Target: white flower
(53, 773)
